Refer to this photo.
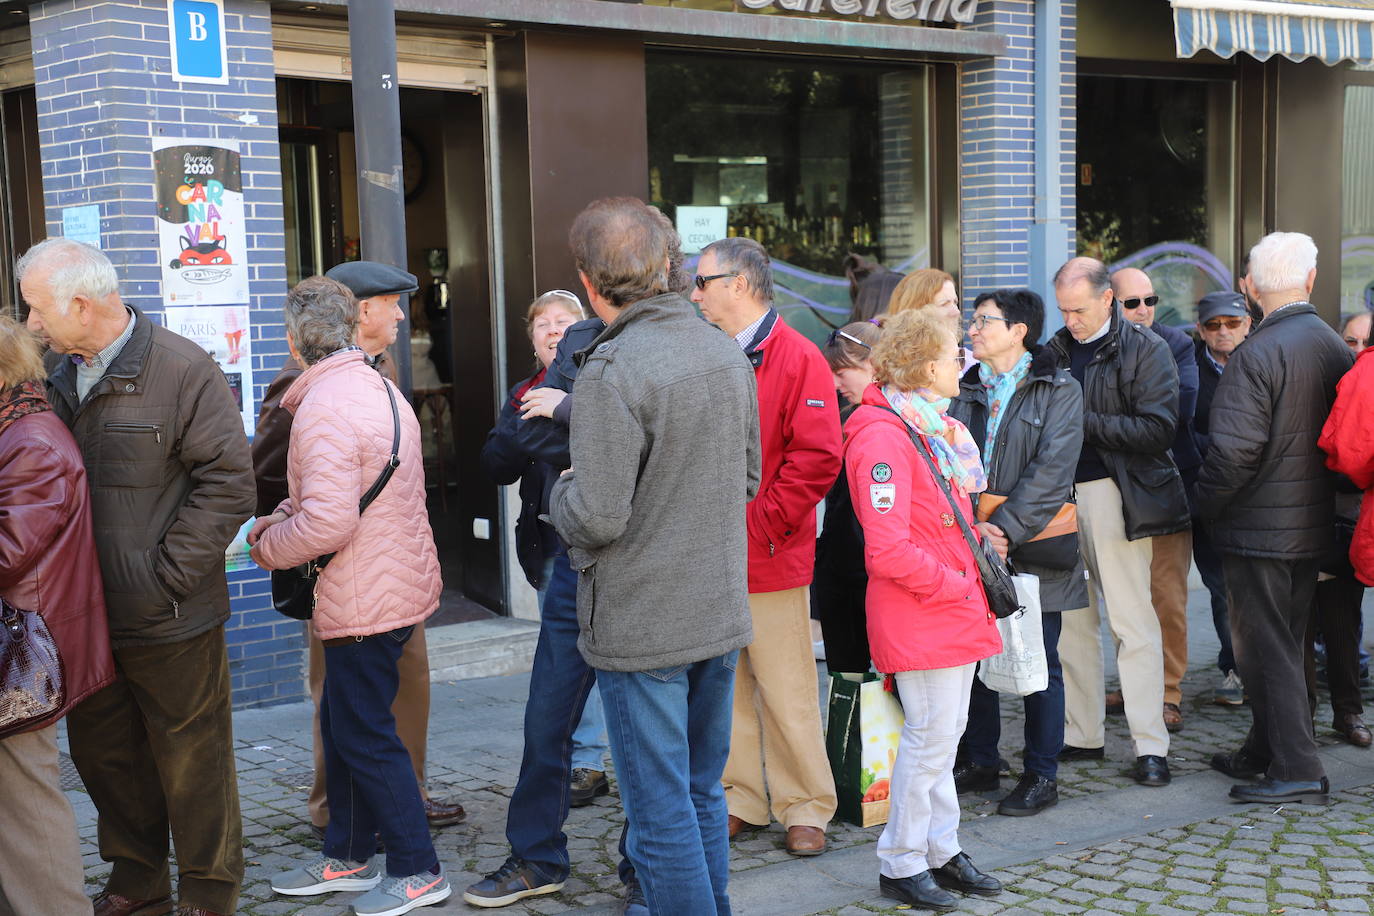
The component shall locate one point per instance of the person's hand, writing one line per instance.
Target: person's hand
(540, 402)
(996, 537)
(261, 525)
(565, 472)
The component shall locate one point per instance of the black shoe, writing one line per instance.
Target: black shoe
(920, 891)
(1069, 752)
(1304, 792)
(1033, 794)
(1151, 770)
(1239, 765)
(635, 904)
(970, 777)
(586, 786)
(960, 874)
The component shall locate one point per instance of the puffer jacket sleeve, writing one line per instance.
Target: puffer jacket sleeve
(889, 550)
(1149, 379)
(35, 503)
(502, 460)
(1348, 435)
(1047, 481)
(1241, 418)
(214, 450)
(326, 459)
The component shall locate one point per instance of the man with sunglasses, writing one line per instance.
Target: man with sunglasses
(1223, 321)
(1172, 552)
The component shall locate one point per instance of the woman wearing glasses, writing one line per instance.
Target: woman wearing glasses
(837, 590)
(928, 619)
(1027, 417)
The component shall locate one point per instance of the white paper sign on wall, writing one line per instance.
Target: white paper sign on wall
(700, 226)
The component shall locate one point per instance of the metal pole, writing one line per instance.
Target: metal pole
(377, 134)
(1050, 235)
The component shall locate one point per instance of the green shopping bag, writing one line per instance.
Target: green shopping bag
(865, 725)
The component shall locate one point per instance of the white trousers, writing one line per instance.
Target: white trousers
(922, 829)
(1120, 570)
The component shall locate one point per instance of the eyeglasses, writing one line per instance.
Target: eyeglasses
(701, 281)
(836, 334)
(1136, 302)
(981, 321)
(1216, 324)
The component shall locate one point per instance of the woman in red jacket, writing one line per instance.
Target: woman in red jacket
(928, 620)
(48, 566)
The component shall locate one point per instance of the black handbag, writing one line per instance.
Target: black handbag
(293, 590)
(992, 569)
(33, 683)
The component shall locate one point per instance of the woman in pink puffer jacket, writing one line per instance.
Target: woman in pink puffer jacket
(383, 579)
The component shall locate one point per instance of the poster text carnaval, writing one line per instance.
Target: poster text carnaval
(202, 248)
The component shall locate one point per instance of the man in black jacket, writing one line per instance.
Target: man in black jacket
(1265, 487)
(1129, 490)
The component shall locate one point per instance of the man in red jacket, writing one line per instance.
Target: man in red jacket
(777, 723)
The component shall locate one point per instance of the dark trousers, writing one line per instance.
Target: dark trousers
(156, 752)
(368, 776)
(1336, 614)
(1044, 731)
(1271, 601)
(839, 602)
(1209, 567)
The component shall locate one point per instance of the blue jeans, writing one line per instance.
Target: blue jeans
(590, 744)
(559, 683)
(1208, 562)
(670, 737)
(1044, 714)
(368, 774)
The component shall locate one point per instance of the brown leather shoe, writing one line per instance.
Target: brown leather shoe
(442, 814)
(1116, 703)
(108, 904)
(196, 911)
(1353, 729)
(1173, 717)
(805, 841)
(739, 825)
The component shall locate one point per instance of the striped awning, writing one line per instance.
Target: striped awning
(1329, 30)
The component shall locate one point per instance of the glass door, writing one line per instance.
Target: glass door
(309, 185)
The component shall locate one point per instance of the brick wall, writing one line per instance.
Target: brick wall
(104, 89)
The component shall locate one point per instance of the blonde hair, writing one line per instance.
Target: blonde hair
(917, 290)
(21, 355)
(910, 341)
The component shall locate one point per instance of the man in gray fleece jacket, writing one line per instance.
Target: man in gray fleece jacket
(665, 455)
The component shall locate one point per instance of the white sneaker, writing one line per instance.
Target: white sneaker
(1231, 692)
(394, 896)
(326, 875)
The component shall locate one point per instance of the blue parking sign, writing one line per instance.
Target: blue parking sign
(198, 50)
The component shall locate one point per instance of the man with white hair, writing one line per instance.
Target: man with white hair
(1266, 491)
(171, 482)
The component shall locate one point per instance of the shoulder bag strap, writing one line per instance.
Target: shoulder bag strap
(376, 489)
(972, 540)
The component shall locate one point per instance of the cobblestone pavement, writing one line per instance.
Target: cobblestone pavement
(1293, 860)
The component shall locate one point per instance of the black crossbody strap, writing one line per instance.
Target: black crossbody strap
(377, 487)
(973, 543)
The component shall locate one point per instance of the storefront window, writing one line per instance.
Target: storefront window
(1357, 213)
(1155, 176)
(815, 161)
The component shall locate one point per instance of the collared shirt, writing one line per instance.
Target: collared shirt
(1286, 305)
(1220, 367)
(746, 337)
(88, 375)
(1100, 332)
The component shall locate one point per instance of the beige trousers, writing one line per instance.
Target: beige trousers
(40, 855)
(1173, 555)
(1120, 569)
(777, 750)
(411, 709)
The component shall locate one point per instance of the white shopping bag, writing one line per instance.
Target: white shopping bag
(1020, 668)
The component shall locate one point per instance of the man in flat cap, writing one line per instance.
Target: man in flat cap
(378, 288)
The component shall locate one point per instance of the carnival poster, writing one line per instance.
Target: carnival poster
(223, 332)
(201, 242)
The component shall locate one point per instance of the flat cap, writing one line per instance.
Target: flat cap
(371, 278)
(1222, 302)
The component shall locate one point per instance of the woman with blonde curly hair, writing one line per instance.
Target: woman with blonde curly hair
(928, 619)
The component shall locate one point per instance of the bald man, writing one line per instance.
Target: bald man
(1172, 552)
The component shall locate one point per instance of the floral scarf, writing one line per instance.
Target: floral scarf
(1000, 388)
(956, 454)
(20, 401)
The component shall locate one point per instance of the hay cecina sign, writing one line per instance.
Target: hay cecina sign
(929, 10)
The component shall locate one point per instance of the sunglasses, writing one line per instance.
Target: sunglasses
(1136, 302)
(1216, 324)
(836, 334)
(701, 281)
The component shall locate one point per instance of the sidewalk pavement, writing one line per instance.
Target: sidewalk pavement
(1110, 846)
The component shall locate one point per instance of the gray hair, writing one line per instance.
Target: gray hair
(619, 243)
(321, 317)
(78, 269)
(1090, 269)
(1282, 260)
(749, 259)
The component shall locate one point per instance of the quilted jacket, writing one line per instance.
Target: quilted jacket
(385, 574)
(1348, 440)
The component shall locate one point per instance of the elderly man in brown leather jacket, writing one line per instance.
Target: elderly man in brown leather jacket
(171, 482)
(378, 288)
